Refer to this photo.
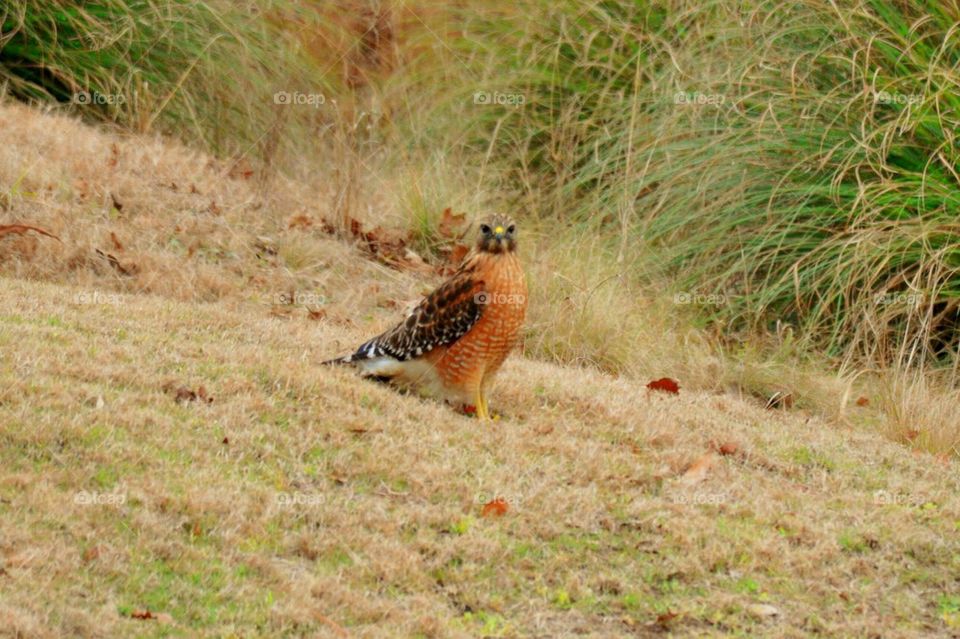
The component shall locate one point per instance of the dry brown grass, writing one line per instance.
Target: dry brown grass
(841, 531)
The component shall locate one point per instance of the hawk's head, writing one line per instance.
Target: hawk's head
(498, 234)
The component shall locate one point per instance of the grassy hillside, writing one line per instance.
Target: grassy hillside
(682, 148)
(170, 445)
(752, 199)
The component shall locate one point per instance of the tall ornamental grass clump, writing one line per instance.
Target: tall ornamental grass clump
(203, 70)
(794, 164)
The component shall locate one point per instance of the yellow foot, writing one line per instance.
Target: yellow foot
(483, 414)
(486, 409)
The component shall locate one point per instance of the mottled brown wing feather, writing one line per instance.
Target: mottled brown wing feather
(440, 319)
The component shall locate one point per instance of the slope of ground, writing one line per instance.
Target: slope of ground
(175, 462)
(290, 498)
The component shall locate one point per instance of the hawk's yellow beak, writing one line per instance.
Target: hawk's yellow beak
(498, 230)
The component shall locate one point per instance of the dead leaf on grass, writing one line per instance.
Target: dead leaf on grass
(697, 471)
(20, 229)
(300, 222)
(665, 384)
(455, 257)
(241, 169)
(451, 223)
(183, 395)
(114, 155)
(91, 553)
(663, 620)
(126, 270)
(496, 508)
(725, 448)
(159, 617)
(116, 203)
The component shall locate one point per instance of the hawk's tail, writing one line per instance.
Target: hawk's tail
(367, 351)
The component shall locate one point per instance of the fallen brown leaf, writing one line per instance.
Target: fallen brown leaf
(863, 401)
(726, 448)
(126, 271)
(241, 169)
(697, 471)
(20, 229)
(116, 203)
(450, 223)
(202, 394)
(664, 384)
(91, 553)
(159, 617)
(300, 222)
(495, 508)
(455, 256)
(664, 619)
(184, 395)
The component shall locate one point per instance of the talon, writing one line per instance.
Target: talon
(481, 405)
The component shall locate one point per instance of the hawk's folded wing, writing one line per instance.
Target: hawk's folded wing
(441, 318)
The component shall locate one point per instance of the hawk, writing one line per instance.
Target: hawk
(454, 341)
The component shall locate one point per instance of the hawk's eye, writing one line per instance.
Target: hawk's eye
(485, 229)
(511, 229)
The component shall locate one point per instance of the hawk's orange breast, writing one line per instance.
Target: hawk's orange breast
(472, 360)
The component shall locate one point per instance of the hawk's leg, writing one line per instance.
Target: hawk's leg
(486, 406)
(480, 401)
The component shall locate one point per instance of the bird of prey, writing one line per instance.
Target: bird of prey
(454, 341)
